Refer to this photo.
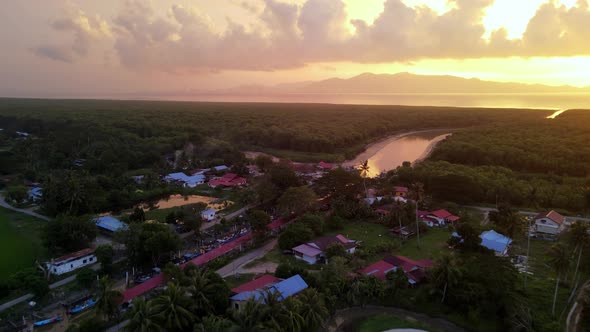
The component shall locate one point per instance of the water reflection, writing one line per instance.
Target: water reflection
(391, 153)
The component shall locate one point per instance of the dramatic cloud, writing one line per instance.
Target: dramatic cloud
(290, 35)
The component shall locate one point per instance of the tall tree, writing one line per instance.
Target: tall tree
(365, 169)
(418, 195)
(579, 239)
(251, 317)
(446, 273)
(559, 259)
(508, 221)
(172, 309)
(313, 309)
(298, 200)
(69, 233)
(109, 298)
(141, 318)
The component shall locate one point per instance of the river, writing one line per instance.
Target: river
(391, 152)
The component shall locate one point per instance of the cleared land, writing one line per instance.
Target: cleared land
(20, 242)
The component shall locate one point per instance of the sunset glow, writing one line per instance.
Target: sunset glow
(124, 47)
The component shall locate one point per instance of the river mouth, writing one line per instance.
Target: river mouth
(393, 151)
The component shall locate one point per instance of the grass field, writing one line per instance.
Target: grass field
(19, 241)
(386, 322)
(433, 244)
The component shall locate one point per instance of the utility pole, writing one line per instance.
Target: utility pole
(528, 249)
(417, 225)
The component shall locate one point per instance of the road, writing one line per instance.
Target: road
(487, 210)
(25, 211)
(232, 267)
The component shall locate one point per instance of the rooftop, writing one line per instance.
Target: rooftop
(110, 223)
(556, 217)
(72, 256)
(257, 283)
(285, 288)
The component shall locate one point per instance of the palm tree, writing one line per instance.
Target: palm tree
(214, 324)
(446, 273)
(579, 239)
(365, 168)
(251, 316)
(559, 259)
(108, 298)
(418, 190)
(200, 288)
(508, 221)
(313, 309)
(287, 317)
(172, 309)
(141, 318)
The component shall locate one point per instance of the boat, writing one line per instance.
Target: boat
(82, 307)
(48, 321)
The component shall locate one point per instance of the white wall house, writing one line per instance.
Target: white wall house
(71, 262)
(312, 252)
(550, 222)
(208, 214)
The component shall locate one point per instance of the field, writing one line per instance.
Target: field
(386, 322)
(19, 241)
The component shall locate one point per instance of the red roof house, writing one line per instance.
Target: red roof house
(325, 166)
(228, 180)
(257, 283)
(379, 269)
(415, 270)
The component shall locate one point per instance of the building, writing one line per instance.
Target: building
(551, 223)
(403, 232)
(220, 168)
(314, 252)
(186, 181)
(400, 192)
(110, 224)
(228, 180)
(258, 283)
(208, 214)
(71, 262)
(325, 166)
(285, 288)
(437, 218)
(414, 270)
(496, 242)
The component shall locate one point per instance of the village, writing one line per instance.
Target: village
(325, 216)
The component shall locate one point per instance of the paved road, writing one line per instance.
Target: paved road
(232, 267)
(25, 211)
(487, 210)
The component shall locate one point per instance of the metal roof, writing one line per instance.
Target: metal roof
(495, 241)
(110, 223)
(285, 288)
(307, 250)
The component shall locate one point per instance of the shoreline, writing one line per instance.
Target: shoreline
(372, 148)
(431, 148)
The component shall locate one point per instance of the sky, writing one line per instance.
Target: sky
(69, 48)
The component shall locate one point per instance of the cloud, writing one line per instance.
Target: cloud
(290, 35)
(85, 31)
(54, 52)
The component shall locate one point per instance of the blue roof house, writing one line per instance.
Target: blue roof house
(496, 242)
(35, 194)
(110, 224)
(285, 289)
(187, 181)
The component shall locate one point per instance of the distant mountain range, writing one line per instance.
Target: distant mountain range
(401, 83)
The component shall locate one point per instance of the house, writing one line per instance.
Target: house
(228, 180)
(496, 242)
(325, 166)
(313, 252)
(220, 168)
(400, 192)
(110, 224)
(258, 283)
(551, 223)
(187, 181)
(437, 218)
(414, 270)
(285, 288)
(403, 232)
(379, 269)
(35, 194)
(71, 262)
(208, 214)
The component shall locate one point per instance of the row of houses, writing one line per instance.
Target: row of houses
(258, 289)
(414, 270)
(191, 181)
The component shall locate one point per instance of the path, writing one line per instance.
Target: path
(25, 211)
(232, 267)
(573, 319)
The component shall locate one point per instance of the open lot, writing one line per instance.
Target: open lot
(20, 241)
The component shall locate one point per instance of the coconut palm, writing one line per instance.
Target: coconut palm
(141, 318)
(200, 288)
(579, 239)
(365, 168)
(559, 259)
(287, 318)
(108, 300)
(446, 273)
(508, 221)
(251, 316)
(172, 309)
(418, 193)
(214, 324)
(313, 309)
